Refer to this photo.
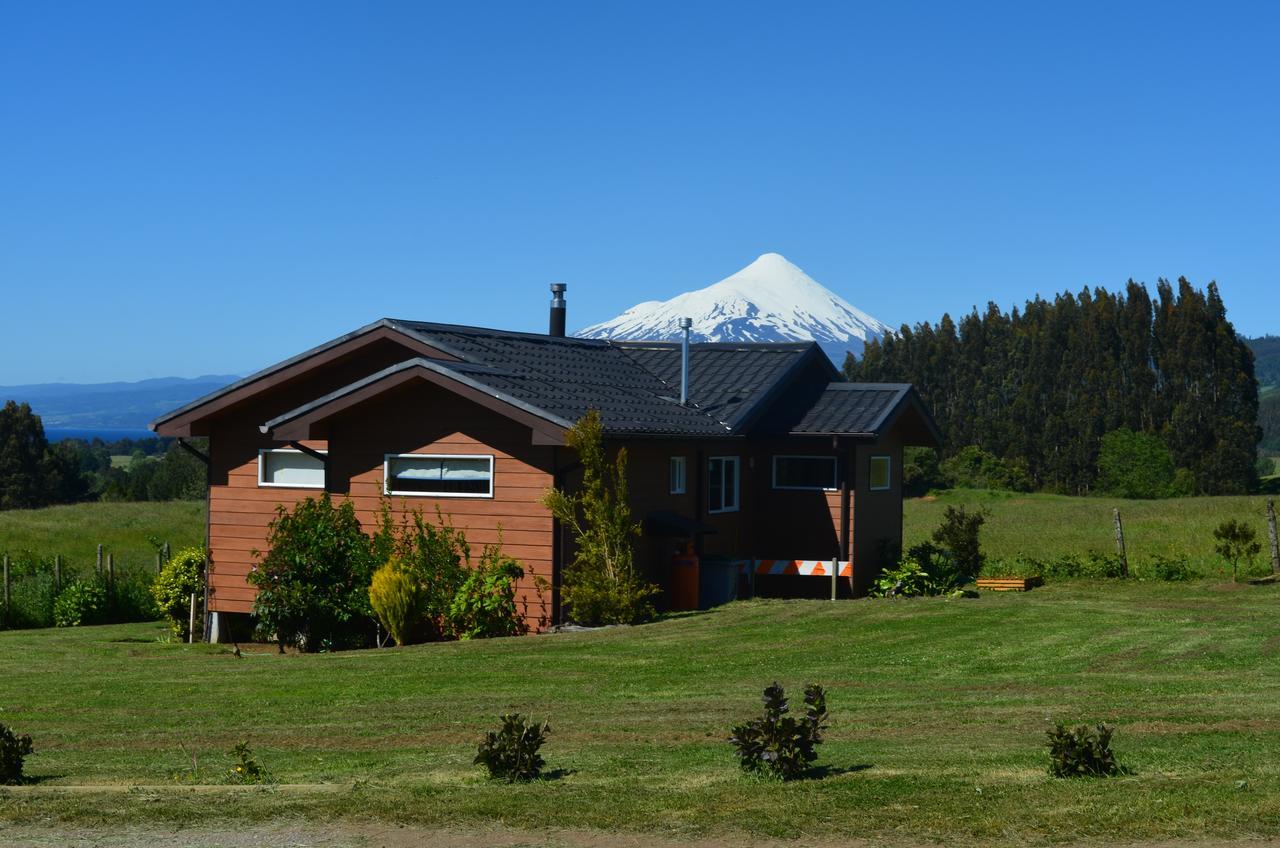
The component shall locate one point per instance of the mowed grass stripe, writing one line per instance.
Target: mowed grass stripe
(933, 700)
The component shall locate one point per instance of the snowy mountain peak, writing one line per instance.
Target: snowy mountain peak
(770, 300)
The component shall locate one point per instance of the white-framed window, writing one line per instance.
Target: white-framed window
(677, 475)
(805, 472)
(880, 474)
(438, 475)
(722, 484)
(290, 468)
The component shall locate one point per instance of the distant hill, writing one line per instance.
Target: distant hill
(111, 406)
(1266, 359)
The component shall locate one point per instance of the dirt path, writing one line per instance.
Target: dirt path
(354, 835)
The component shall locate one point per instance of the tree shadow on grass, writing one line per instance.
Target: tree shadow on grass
(556, 774)
(36, 779)
(825, 771)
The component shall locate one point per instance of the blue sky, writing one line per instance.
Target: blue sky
(191, 188)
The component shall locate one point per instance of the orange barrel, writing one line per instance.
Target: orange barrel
(684, 580)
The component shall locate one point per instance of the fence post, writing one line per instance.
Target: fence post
(6, 590)
(1124, 557)
(57, 573)
(111, 575)
(835, 570)
(99, 562)
(191, 625)
(1271, 530)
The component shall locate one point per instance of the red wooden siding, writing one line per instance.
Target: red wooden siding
(416, 419)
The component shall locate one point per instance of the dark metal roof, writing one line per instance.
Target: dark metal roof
(852, 409)
(633, 384)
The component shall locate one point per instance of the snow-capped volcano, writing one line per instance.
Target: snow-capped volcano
(770, 300)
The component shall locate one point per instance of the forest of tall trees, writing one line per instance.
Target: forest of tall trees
(1040, 387)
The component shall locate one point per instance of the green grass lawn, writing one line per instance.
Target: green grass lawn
(1045, 526)
(75, 531)
(939, 712)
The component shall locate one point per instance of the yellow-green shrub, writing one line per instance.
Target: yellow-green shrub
(396, 598)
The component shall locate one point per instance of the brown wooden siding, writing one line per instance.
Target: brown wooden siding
(417, 419)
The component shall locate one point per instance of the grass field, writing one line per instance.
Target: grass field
(939, 711)
(1046, 526)
(75, 531)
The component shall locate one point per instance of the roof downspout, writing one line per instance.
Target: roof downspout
(685, 324)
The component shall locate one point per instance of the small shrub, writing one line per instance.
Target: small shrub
(81, 602)
(436, 556)
(1236, 541)
(907, 580)
(13, 750)
(511, 752)
(485, 604)
(1170, 568)
(958, 536)
(246, 770)
(1081, 752)
(777, 744)
(396, 598)
(174, 585)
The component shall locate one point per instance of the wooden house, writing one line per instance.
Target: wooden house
(771, 460)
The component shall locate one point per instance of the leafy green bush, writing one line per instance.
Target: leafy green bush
(130, 599)
(1092, 565)
(313, 584)
(81, 602)
(1170, 568)
(777, 744)
(180, 577)
(958, 537)
(1135, 465)
(485, 605)
(601, 585)
(14, 750)
(908, 580)
(31, 601)
(974, 468)
(396, 597)
(436, 556)
(921, 471)
(1081, 752)
(246, 769)
(511, 752)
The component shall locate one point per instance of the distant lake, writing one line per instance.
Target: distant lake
(57, 434)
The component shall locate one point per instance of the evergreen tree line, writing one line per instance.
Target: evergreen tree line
(1040, 388)
(35, 472)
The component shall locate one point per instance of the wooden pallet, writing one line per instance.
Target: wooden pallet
(1009, 584)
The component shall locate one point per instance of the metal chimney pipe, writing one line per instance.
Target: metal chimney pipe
(685, 324)
(558, 310)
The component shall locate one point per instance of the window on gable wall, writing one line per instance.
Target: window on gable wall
(879, 478)
(290, 468)
(722, 484)
(438, 476)
(677, 475)
(804, 472)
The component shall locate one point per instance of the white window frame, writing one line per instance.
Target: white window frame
(677, 485)
(835, 472)
(737, 484)
(888, 462)
(386, 475)
(262, 467)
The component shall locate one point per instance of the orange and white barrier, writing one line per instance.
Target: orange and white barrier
(802, 567)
